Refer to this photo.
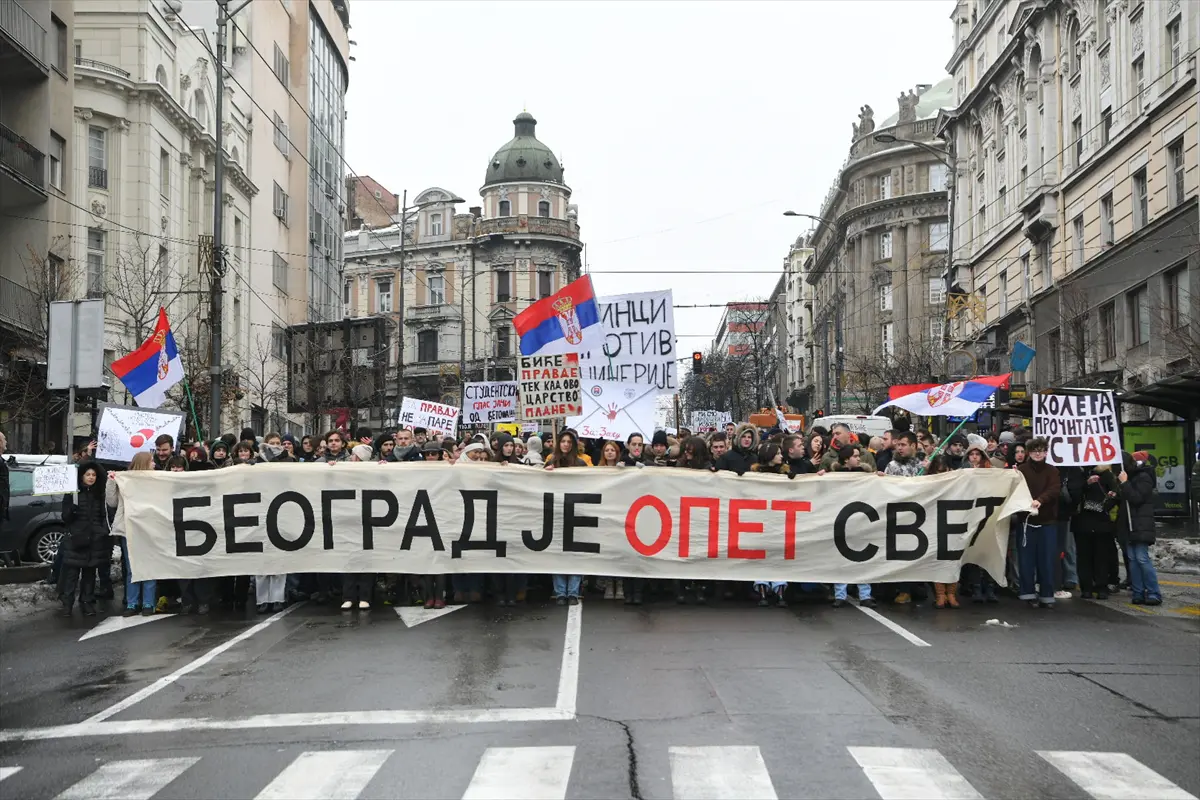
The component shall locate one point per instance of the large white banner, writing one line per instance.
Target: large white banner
(487, 403)
(1081, 431)
(433, 417)
(639, 342)
(125, 431)
(615, 410)
(654, 523)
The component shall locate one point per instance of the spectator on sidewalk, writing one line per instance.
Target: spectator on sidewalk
(1135, 522)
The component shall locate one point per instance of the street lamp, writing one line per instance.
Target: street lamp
(888, 138)
(404, 209)
(807, 216)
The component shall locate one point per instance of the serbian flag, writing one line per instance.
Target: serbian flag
(153, 368)
(565, 322)
(958, 399)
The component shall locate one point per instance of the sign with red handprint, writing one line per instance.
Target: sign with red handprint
(615, 410)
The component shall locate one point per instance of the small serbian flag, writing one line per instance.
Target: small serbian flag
(565, 322)
(153, 368)
(958, 399)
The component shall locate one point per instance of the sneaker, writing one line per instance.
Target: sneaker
(839, 603)
(572, 600)
(619, 594)
(609, 593)
(867, 603)
(347, 605)
(903, 598)
(1154, 601)
(148, 611)
(560, 601)
(439, 603)
(363, 605)
(1062, 594)
(130, 611)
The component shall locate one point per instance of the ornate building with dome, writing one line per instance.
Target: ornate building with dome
(466, 275)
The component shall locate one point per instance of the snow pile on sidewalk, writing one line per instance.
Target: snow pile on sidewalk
(19, 599)
(1176, 555)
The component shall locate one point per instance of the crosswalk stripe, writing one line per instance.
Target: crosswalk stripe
(128, 780)
(909, 773)
(720, 773)
(335, 775)
(534, 773)
(8, 772)
(1113, 776)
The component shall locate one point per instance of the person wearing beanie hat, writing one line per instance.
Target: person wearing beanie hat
(659, 454)
(534, 456)
(361, 452)
(219, 453)
(291, 445)
(1007, 437)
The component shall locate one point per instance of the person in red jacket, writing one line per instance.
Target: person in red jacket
(1037, 547)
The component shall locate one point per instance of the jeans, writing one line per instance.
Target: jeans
(839, 591)
(1037, 552)
(1069, 561)
(1143, 579)
(143, 593)
(356, 586)
(270, 588)
(567, 585)
(775, 587)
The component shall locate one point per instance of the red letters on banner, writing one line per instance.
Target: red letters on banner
(737, 526)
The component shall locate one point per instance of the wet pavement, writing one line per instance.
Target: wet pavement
(604, 700)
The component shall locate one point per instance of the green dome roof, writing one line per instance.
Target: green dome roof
(524, 158)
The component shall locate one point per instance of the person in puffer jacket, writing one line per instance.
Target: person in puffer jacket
(88, 543)
(1135, 526)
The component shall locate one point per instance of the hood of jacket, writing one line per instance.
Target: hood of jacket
(736, 444)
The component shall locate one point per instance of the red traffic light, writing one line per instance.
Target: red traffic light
(697, 363)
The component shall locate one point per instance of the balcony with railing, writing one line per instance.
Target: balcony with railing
(22, 42)
(22, 160)
(97, 178)
(99, 66)
(18, 306)
(525, 224)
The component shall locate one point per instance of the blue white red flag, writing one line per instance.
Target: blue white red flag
(153, 368)
(958, 399)
(565, 322)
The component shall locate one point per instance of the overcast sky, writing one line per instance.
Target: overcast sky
(685, 128)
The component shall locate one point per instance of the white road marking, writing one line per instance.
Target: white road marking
(909, 773)
(568, 674)
(192, 666)
(415, 616)
(8, 772)
(893, 627)
(1113, 776)
(128, 780)
(114, 624)
(333, 775)
(532, 773)
(720, 773)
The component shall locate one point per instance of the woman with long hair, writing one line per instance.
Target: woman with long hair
(815, 447)
(694, 454)
(770, 462)
(610, 454)
(567, 588)
(139, 595)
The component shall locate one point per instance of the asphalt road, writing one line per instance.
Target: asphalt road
(725, 701)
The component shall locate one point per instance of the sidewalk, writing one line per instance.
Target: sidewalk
(1181, 598)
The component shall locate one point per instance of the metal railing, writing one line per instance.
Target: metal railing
(99, 65)
(22, 157)
(23, 29)
(97, 177)
(18, 306)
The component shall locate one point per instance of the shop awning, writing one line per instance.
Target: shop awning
(1178, 395)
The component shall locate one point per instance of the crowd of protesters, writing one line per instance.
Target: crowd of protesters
(1084, 523)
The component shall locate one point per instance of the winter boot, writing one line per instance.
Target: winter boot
(939, 595)
(952, 595)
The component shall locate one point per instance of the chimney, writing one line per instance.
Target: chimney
(476, 211)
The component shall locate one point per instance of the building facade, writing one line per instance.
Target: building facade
(1076, 126)
(879, 258)
(369, 203)
(37, 178)
(796, 373)
(466, 275)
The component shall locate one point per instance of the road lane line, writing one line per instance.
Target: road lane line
(893, 627)
(333, 775)
(1113, 776)
(536, 773)
(909, 773)
(1180, 583)
(720, 773)
(128, 780)
(568, 674)
(8, 772)
(167, 680)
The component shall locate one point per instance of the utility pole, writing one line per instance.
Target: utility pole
(400, 306)
(217, 286)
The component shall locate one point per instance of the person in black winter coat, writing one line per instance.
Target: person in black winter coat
(88, 545)
(1092, 527)
(742, 453)
(1135, 526)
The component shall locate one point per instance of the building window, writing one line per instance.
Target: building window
(543, 208)
(281, 67)
(1025, 276)
(936, 330)
(346, 295)
(54, 162)
(1175, 297)
(437, 290)
(1077, 138)
(939, 177)
(164, 173)
(1101, 21)
(97, 158)
(939, 236)
(279, 203)
(58, 45)
(95, 262)
(886, 341)
(427, 346)
(503, 342)
(885, 298)
(1108, 330)
(237, 239)
(1138, 79)
(885, 186)
(279, 272)
(937, 291)
(1105, 126)
(885, 245)
(1054, 345)
(1141, 206)
(435, 224)
(160, 76)
(1106, 220)
(278, 342)
(1003, 290)
(281, 135)
(503, 286)
(505, 208)
(545, 283)
(201, 110)
(1046, 257)
(1138, 308)
(383, 296)
(1174, 53)
(1175, 168)
(1075, 46)
(1077, 241)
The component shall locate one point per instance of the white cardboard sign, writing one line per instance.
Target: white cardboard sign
(56, 479)
(639, 342)
(487, 403)
(615, 411)
(124, 431)
(1082, 431)
(433, 417)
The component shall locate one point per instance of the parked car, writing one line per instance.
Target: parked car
(34, 528)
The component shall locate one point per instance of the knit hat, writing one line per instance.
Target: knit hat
(1007, 437)
(534, 444)
(976, 442)
(1141, 456)
(660, 437)
(362, 452)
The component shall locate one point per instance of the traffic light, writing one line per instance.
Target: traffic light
(697, 363)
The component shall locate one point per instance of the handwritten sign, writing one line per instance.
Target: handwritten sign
(707, 421)
(639, 342)
(549, 386)
(615, 411)
(485, 403)
(433, 417)
(1081, 431)
(125, 431)
(56, 479)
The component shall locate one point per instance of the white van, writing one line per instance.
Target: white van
(871, 426)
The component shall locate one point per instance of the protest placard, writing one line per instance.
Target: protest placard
(639, 342)
(549, 386)
(56, 479)
(485, 403)
(707, 421)
(511, 428)
(433, 417)
(124, 431)
(1081, 431)
(614, 411)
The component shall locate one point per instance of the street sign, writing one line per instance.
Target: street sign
(76, 346)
